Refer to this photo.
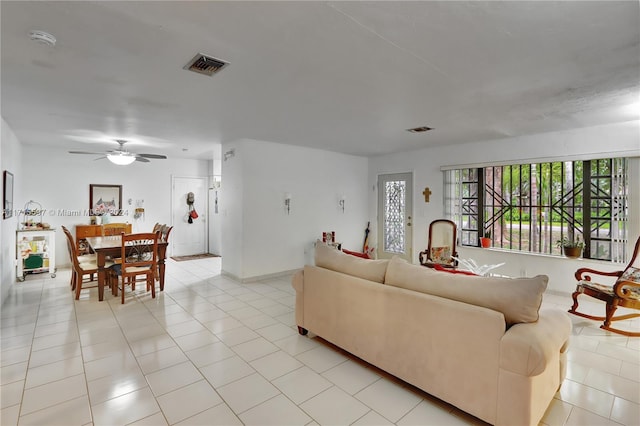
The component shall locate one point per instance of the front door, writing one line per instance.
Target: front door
(395, 209)
(189, 238)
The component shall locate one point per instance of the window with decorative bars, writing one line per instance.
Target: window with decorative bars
(530, 207)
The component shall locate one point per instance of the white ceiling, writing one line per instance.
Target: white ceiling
(342, 76)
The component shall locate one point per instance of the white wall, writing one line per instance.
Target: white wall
(215, 225)
(259, 237)
(594, 142)
(60, 181)
(11, 160)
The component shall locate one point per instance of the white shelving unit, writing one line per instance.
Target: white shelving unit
(36, 252)
(35, 243)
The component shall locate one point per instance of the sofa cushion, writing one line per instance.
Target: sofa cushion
(518, 299)
(335, 260)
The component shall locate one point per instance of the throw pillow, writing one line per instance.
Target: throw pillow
(335, 260)
(518, 299)
(441, 255)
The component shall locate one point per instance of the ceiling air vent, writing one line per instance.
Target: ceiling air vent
(420, 129)
(206, 65)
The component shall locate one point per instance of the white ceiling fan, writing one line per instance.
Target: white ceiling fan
(122, 156)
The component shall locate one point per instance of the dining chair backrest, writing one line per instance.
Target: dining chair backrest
(139, 250)
(70, 246)
(157, 227)
(164, 233)
(110, 229)
(70, 240)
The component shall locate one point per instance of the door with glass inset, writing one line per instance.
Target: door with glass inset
(395, 209)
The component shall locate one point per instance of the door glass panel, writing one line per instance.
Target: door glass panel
(394, 214)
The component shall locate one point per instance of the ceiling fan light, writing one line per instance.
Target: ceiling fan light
(121, 159)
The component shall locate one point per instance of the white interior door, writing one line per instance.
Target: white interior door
(189, 238)
(395, 210)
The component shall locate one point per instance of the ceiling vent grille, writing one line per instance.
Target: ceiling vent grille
(420, 129)
(207, 65)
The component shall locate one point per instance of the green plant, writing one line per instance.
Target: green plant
(567, 243)
(487, 233)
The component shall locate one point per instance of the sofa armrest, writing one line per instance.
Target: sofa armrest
(297, 281)
(527, 348)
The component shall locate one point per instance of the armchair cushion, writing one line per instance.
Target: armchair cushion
(441, 255)
(631, 275)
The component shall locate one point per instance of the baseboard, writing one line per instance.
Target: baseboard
(559, 293)
(260, 277)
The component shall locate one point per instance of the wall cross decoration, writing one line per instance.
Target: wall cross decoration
(426, 194)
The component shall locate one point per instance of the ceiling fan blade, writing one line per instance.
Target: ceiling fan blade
(100, 158)
(155, 156)
(86, 152)
(142, 159)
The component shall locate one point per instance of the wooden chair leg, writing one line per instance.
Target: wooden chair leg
(152, 282)
(611, 309)
(78, 285)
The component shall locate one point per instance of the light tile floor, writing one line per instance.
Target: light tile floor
(212, 351)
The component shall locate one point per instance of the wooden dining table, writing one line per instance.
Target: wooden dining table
(111, 246)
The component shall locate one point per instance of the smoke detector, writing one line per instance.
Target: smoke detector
(204, 64)
(42, 37)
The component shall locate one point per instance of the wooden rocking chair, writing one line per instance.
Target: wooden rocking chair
(625, 292)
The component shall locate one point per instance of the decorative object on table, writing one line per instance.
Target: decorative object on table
(7, 195)
(121, 156)
(485, 240)
(31, 216)
(105, 199)
(571, 249)
(625, 292)
(472, 266)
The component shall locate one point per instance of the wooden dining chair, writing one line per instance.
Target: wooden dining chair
(82, 258)
(81, 266)
(138, 256)
(625, 292)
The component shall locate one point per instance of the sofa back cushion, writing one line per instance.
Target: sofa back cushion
(518, 299)
(335, 260)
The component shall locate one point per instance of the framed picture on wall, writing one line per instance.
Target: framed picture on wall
(105, 199)
(7, 195)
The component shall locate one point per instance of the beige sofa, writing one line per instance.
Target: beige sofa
(479, 343)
